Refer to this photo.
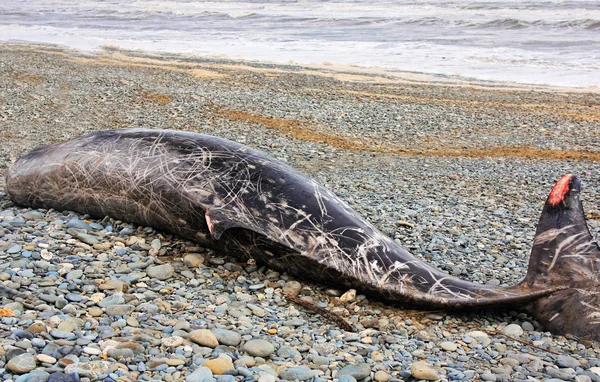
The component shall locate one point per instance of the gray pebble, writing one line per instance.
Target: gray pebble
(299, 373)
(358, 371)
(259, 348)
(227, 337)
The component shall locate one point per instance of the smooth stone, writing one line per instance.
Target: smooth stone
(193, 260)
(115, 299)
(88, 369)
(346, 378)
(220, 365)
(161, 272)
(298, 373)
(488, 376)
(87, 238)
(358, 371)
(76, 223)
(119, 310)
(288, 352)
(44, 358)
(60, 377)
(227, 337)
(114, 284)
(94, 311)
(33, 215)
(527, 326)
(204, 337)
(21, 364)
(259, 348)
(200, 374)
(421, 370)
(292, 287)
(175, 362)
(448, 346)
(513, 330)
(118, 354)
(567, 361)
(14, 249)
(381, 376)
(173, 341)
(38, 375)
(564, 374)
(75, 274)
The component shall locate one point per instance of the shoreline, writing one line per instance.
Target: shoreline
(343, 72)
(423, 162)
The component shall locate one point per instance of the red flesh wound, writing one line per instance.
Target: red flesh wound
(560, 189)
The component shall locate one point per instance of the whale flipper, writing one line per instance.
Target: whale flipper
(564, 254)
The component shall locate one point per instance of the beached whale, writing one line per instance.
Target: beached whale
(238, 200)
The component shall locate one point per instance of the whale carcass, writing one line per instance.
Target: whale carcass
(232, 198)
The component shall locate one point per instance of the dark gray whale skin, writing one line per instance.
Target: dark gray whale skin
(232, 198)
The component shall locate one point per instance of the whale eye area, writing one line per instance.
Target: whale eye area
(560, 190)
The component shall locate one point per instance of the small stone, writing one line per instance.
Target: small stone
(349, 296)
(94, 311)
(172, 342)
(193, 260)
(175, 362)
(161, 272)
(227, 337)
(120, 353)
(204, 337)
(488, 376)
(36, 328)
(21, 364)
(358, 371)
(527, 326)
(75, 274)
(38, 375)
(259, 348)
(119, 310)
(567, 361)
(200, 374)
(288, 352)
(60, 377)
(513, 330)
(87, 238)
(346, 378)
(381, 376)
(43, 358)
(448, 346)
(14, 249)
(115, 299)
(421, 370)
(88, 369)
(92, 350)
(292, 287)
(113, 284)
(219, 365)
(298, 373)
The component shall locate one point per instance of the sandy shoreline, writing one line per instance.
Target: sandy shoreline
(455, 173)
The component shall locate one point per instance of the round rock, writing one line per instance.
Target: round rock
(161, 272)
(298, 373)
(21, 364)
(358, 371)
(259, 348)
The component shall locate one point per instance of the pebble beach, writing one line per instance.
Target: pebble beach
(455, 171)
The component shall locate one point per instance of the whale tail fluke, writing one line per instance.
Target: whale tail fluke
(565, 256)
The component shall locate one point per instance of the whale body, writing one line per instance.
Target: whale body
(232, 198)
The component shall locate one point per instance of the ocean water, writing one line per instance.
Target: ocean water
(551, 42)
